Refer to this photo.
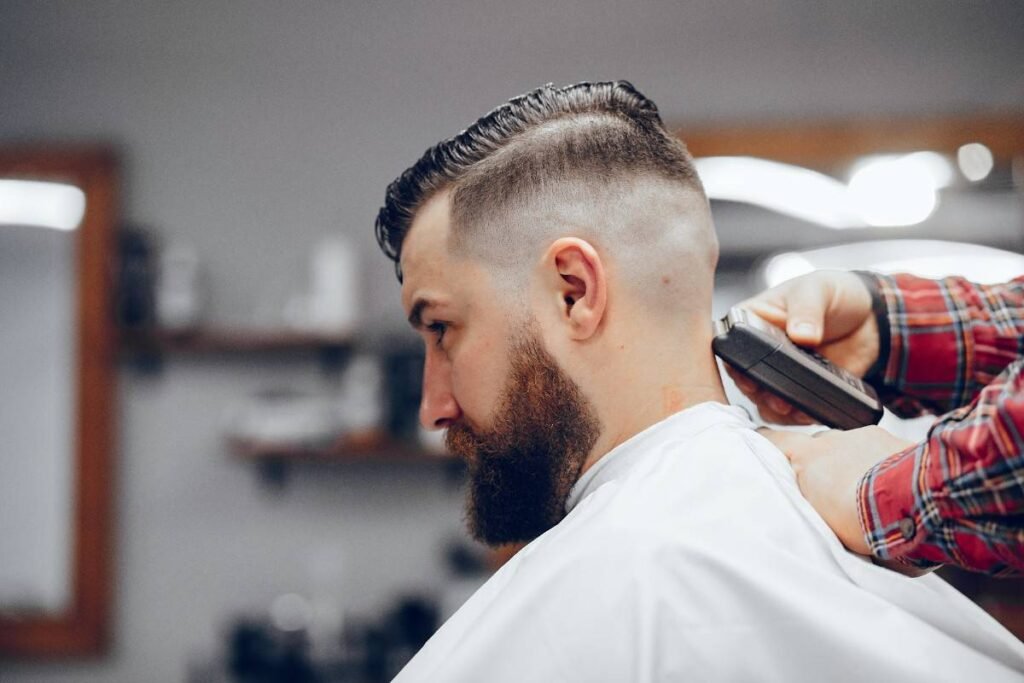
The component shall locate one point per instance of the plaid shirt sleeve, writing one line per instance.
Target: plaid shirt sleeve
(957, 497)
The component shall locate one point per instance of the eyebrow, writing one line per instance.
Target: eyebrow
(416, 315)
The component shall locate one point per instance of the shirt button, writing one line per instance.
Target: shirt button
(907, 528)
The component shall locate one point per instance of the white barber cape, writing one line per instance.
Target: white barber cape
(688, 554)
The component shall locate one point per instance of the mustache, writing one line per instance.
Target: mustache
(482, 451)
(459, 437)
(462, 440)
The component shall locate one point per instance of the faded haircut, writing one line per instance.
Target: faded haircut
(585, 148)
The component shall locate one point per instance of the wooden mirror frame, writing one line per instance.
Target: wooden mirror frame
(84, 628)
(825, 145)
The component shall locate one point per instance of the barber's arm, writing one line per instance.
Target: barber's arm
(942, 341)
(957, 497)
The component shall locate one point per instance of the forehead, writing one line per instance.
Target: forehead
(427, 266)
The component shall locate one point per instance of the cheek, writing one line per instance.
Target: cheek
(478, 377)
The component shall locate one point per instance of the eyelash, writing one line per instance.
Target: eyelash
(438, 329)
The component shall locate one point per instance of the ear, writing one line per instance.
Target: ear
(577, 285)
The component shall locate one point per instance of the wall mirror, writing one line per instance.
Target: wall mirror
(58, 209)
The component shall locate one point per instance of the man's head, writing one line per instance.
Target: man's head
(558, 257)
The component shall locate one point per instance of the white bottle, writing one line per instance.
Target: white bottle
(361, 399)
(180, 290)
(334, 288)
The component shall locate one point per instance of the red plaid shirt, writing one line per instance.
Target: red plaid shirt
(957, 497)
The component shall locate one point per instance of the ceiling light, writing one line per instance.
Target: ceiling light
(975, 161)
(902, 190)
(925, 258)
(784, 188)
(41, 204)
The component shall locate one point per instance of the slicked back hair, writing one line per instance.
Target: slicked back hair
(594, 136)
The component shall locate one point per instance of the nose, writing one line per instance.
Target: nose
(438, 407)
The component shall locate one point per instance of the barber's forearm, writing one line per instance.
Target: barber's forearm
(943, 340)
(957, 497)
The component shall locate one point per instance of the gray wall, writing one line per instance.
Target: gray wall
(252, 129)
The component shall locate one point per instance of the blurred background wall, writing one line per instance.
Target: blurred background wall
(251, 130)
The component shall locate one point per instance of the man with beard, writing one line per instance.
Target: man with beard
(558, 257)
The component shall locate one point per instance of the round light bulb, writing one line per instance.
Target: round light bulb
(975, 161)
(895, 191)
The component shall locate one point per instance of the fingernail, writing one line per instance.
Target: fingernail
(804, 329)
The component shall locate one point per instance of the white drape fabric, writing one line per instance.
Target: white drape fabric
(688, 554)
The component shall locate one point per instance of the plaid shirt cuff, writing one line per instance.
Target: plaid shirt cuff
(923, 354)
(891, 512)
(875, 374)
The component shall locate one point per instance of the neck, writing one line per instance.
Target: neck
(648, 381)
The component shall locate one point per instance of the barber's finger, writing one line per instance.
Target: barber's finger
(766, 412)
(778, 405)
(778, 411)
(768, 309)
(795, 418)
(799, 417)
(752, 390)
(805, 320)
(760, 397)
(742, 382)
(763, 400)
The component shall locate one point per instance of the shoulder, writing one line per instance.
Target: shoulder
(556, 611)
(615, 567)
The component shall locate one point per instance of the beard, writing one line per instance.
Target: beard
(522, 468)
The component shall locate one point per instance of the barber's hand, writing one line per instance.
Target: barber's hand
(828, 311)
(829, 466)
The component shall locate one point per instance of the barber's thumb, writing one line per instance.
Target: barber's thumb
(804, 331)
(806, 317)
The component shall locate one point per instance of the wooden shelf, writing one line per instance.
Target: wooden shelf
(275, 460)
(365, 449)
(227, 340)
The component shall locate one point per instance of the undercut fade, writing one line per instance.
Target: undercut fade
(591, 134)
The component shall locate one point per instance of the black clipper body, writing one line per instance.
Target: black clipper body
(810, 382)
